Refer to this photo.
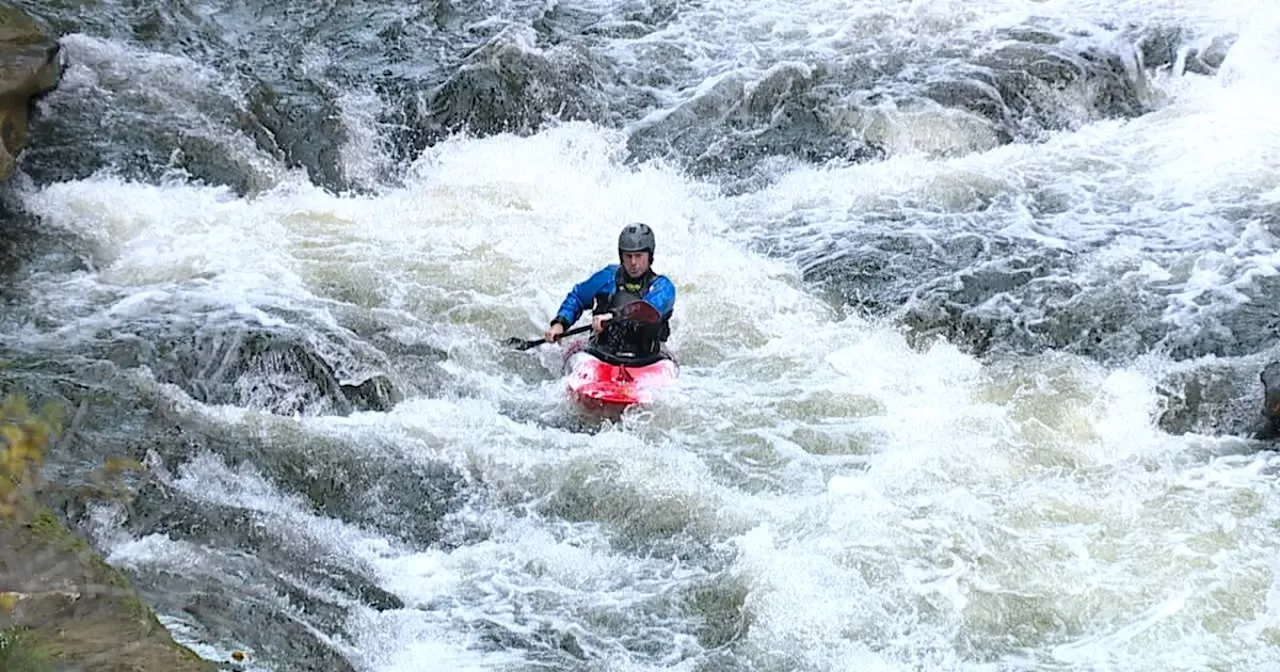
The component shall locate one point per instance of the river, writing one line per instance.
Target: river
(972, 301)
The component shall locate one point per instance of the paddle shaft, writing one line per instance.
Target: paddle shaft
(525, 345)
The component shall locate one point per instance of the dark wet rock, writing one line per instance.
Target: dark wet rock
(375, 394)
(278, 373)
(176, 27)
(1270, 378)
(146, 100)
(988, 294)
(1031, 80)
(1159, 45)
(955, 287)
(225, 608)
(255, 578)
(1042, 85)
(168, 94)
(159, 510)
(1269, 423)
(142, 121)
(283, 371)
(297, 118)
(881, 273)
(1164, 47)
(66, 152)
(559, 22)
(1212, 397)
(632, 19)
(506, 86)
(1028, 306)
(264, 370)
(977, 93)
(629, 19)
(69, 604)
(30, 67)
(1215, 54)
(404, 501)
(27, 248)
(734, 126)
(358, 480)
(279, 636)
(1038, 78)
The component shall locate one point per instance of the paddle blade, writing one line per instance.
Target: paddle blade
(522, 344)
(640, 311)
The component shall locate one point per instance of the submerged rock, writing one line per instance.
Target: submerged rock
(1040, 80)
(1207, 398)
(377, 393)
(285, 372)
(30, 66)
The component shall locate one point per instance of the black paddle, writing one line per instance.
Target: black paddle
(521, 344)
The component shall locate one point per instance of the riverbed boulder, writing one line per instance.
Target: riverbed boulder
(30, 66)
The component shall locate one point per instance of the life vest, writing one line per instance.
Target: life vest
(643, 339)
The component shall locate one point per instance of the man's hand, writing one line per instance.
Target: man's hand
(554, 332)
(597, 322)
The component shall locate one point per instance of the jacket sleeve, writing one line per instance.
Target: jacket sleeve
(581, 296)
(661, 295)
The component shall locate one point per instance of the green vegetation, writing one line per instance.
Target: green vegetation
(23, 440)
(18, 653)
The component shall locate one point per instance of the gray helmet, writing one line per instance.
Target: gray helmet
(636, 238)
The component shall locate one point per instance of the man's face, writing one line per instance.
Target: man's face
(635, 264)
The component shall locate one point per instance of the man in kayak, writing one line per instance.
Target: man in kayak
(611, 289)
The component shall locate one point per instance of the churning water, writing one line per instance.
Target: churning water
(972, 301)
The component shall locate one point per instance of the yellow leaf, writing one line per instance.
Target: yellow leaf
(12, 434)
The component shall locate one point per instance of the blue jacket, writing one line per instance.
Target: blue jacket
(597, 292)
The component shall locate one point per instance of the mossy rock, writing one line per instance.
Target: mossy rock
(75, 608)
(18, 653)
(19, 28)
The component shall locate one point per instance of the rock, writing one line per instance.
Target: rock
(30, 66)
(285, 372)
(506, 86)
(1159, 45)
(1268, 427)
(1038, 79)
(298, 119)
(1043, 85)
(375, 394)
(1216, 53)
(1205, 399)
(734, 126)
(559, 23)
(77, 609)
(1174, 46)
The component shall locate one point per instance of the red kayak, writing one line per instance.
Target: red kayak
(600, 387)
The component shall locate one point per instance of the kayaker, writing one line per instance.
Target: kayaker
(611, 288)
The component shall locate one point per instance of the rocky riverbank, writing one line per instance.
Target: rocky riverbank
(30, 66)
